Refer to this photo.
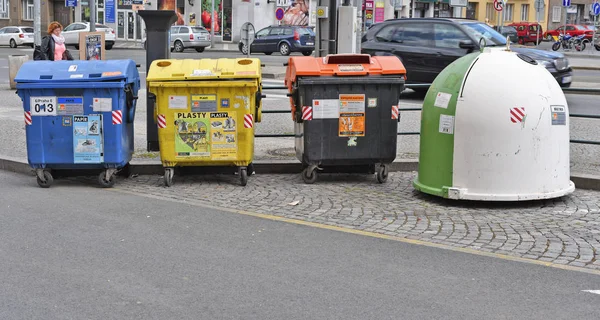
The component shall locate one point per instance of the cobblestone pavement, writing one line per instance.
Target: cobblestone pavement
(563, 231)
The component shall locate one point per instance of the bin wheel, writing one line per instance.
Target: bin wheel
(309, 175)
(168, 177)
(106, 183)
(49, 180)
(382, 173)
(243, 176)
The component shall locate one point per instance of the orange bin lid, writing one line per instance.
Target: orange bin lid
(343, 65)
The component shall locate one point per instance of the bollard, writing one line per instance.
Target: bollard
(158, 24)
(14, 64)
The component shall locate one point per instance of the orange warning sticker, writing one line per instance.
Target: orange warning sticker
(352, 124)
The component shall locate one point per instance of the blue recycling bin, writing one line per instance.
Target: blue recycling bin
(78, 115)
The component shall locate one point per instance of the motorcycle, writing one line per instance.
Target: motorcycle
(569, 42)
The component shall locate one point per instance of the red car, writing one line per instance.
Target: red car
(527, 31)
(572, 30)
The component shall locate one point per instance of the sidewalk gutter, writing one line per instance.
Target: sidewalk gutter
(149, 167)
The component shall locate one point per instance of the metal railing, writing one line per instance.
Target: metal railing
(414, 133)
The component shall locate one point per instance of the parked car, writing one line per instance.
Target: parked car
(508, 31)
(428, 45)
(183, 37)
(528, 32)
(72, 31)
(282, 39)
(16, 36)
(572, 30)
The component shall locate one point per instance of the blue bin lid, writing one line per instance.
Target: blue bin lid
(77, 70)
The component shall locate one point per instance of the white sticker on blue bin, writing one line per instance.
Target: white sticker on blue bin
(102, 104)
(42, 106)
(73, 68)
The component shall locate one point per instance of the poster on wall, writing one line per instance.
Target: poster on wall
(296, 14)
(170, 5)
(91, 46)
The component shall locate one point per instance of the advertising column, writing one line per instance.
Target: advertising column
(379, 11)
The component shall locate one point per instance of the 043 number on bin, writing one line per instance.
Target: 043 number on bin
(43, 106)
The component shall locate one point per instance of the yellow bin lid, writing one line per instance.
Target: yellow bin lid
(203, 69)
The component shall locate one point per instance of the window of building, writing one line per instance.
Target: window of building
(556, 10)
(4, 9)
(524, 12)
(472, 10)
(27, 9)
(490, 12)
(508, 11)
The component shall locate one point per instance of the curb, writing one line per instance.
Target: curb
(142, 167)
(585, 68)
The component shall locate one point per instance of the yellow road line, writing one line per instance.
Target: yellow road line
(365, 233)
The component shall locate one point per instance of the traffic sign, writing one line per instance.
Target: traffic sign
(279, 12)
(596, 8)
(539, 5)
(566, 3)
(247, 33)
(498, 5)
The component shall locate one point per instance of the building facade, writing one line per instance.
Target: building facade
(20, 13)
(226, 19)
(580, 12)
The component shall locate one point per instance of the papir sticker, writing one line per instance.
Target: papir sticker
(442, 100)
(76, 76)
(73, 68)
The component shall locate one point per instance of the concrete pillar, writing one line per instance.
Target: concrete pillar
(14, 64)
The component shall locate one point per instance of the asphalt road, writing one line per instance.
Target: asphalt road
(76, 252)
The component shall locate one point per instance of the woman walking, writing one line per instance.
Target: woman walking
(53, 45)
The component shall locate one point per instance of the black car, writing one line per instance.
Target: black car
(428, 45)
(508, 31)
(282, 39)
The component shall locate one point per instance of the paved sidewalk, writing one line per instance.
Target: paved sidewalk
(564, 231)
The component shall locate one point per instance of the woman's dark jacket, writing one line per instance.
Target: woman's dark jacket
(46, 51)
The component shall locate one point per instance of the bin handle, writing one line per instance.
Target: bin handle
(130, 101)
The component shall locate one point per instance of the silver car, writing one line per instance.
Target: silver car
(16, 36)
(72, 31)
(183, 37)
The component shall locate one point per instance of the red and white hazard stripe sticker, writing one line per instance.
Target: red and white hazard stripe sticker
(248, 121)
(394, 112)
(307, 113)
(162, 121)
(28, 118)
(117, 117)
(517, 114)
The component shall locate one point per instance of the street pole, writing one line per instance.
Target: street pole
(212, 25)
(37, 22)
(537, 34)
(92, 15)
(502, 16)
(565, 32)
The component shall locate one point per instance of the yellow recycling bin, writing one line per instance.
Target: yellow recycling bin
(205, 112)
